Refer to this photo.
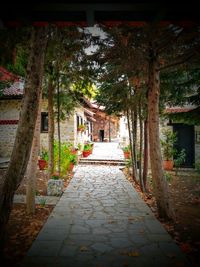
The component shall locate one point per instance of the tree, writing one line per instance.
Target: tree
(32, 165)
(26, 126)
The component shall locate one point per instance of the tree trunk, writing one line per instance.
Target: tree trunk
(159, 183)
(146, 154)
(134, 175)
(32, 165)
(24, 136)
(50, 128)
(134, 139)
(58, 121)
(141, 146)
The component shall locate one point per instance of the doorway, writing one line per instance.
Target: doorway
(185, 140)
(101, 135)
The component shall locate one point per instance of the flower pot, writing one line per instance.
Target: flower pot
(127, 154)
(168, 165)
(71, 166)
(74, 152)
(42, 164)
(86, 153)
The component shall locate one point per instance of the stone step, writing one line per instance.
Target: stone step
(4, 163)
(102, 162)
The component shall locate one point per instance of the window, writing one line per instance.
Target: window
(79, 120)
(44, 122)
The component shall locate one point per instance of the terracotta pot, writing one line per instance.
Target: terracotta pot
(74, 152)
(71, 166)
(86, 153)
(168, 165)
(42, 164)
(127, 155)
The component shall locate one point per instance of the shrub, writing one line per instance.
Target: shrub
(167, 143)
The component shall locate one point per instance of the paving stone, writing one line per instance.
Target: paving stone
(69, 250)
(45, 248)
(117, 242)
(49, 234)
(99, 215)
(101, 247)
(78, 229)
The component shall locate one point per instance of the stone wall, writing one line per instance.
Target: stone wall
(197, 143)
(102, 123)
(9, 116)
(68, 130)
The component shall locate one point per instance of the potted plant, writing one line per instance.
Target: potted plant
(168, 150)
(126, 151)
(87, 150)
(43, 160)
(73, 161)
(74, 151)
(81, 128)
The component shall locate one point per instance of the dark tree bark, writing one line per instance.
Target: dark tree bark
(141, 145)
(134, 174)
(58, 123)
(24, 136)
(32, 165)
(50, 128)
(146, 154)
(160, 185)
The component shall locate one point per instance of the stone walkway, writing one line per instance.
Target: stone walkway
(107, 151)
(101, 221)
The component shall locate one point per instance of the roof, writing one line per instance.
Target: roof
(5, 75)
(178, 109)
(89, 12)
(88, 112)
(16, 89)
(16, 85)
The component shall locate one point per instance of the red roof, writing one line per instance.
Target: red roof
(16, 89)
(5, 75)
(178, 109)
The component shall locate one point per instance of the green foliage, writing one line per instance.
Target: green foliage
(42, 202)
(66, 156)
(81, 127)
(4, 84)
(44, 154)
(73, 159)
(167, 143)
(128, 163)
(168, 177)
(126, 148)
(191, 117)
(180, 158)
(87, 147)
(55, 176)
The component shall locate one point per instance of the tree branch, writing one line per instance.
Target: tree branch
(179, 62)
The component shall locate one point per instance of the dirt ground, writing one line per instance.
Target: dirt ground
(22, 228)
(185, 230)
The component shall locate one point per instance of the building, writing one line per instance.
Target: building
(10, 105)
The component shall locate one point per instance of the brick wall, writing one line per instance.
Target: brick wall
(9, 116)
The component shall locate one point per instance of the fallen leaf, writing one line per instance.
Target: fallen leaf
(185, 247)
(134, 254)
(111, 221)
(171, 255)
(83, 248)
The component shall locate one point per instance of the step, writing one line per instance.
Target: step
(102, 162)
